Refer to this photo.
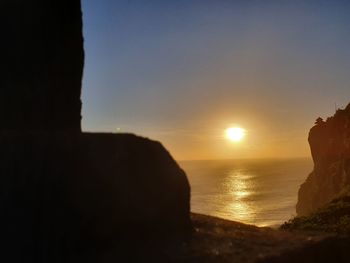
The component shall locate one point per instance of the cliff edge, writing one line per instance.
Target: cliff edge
(330, 148)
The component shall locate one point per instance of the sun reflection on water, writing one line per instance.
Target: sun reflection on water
(258, 192)
(238, 184)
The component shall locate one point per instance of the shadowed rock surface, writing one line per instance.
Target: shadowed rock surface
(330, 148)
(64, 194)
(42, 59)
(221, 241)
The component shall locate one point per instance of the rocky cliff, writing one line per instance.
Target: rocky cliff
(42, 59)
(330, 148)
(64, 192)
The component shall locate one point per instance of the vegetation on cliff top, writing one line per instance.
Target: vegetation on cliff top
(333, 217)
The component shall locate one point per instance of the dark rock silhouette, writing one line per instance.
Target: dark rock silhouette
(330, 148)
(42, 59)
(63, 192)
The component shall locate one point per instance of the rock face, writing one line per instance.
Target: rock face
(62, 191)
(42, 59)
(330, 148)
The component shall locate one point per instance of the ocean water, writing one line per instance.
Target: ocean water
(260, 192)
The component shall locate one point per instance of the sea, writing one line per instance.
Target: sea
(260, 192)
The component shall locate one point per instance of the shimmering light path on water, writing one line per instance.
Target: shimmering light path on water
(260, 192)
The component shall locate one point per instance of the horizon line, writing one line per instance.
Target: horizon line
(254, 158)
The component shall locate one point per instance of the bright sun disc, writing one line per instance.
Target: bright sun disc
(235, 134)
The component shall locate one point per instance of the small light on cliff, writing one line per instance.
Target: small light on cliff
(235, 134)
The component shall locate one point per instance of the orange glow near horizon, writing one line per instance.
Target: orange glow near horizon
(182, 72)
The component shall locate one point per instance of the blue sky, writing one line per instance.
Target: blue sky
(183, 71)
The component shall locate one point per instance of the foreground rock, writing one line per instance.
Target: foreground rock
(42, 60)
(330, 148)
(220, 241)
(64, 194)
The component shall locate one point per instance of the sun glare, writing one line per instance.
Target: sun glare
(235, 134)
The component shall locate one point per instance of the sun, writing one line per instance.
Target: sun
(235, 134)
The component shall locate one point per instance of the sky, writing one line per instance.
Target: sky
(181, 72)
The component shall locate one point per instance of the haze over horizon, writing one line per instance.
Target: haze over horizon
(182, 72)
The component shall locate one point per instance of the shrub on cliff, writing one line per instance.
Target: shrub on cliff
(333, 217)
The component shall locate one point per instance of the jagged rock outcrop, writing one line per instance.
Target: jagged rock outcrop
(42, 57)
(330, 148)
